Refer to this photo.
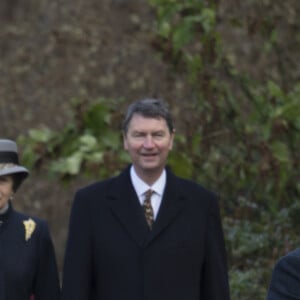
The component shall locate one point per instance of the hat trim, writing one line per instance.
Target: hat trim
(14, 170)
(9, 157)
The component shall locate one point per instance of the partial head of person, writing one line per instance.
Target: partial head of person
(12, 173)
(148, 134)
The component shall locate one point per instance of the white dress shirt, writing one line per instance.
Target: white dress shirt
(141, 187)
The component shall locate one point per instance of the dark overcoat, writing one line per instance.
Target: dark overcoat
(111, 254)
(27, 263)
(285, 282)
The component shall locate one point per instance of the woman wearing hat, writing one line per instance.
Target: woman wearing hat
(27, 258)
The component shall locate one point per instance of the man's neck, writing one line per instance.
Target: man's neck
(150, 176)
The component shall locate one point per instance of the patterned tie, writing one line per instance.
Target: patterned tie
(148, 210)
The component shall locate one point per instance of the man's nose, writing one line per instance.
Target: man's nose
(148, 142)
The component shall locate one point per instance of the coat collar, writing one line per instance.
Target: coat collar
(4, 217)
(127, 209)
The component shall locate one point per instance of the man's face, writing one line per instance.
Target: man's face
(148, 142)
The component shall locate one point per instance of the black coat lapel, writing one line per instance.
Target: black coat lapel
(127, 209)
(172, 204)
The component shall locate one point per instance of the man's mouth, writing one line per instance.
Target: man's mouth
(149, 154)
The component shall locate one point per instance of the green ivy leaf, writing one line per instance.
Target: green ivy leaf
(280, 151)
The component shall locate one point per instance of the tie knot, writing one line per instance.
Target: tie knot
(148, 194)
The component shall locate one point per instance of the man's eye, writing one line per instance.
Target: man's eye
(137, 134)
(159, 134)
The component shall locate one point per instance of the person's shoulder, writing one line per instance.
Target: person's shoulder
(295, 253)
(97, 189)
(285, 276)
(101, 186)
(291, 258)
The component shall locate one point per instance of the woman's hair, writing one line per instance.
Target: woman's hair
(17, 180)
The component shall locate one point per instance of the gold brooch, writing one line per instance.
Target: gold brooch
(29, 228)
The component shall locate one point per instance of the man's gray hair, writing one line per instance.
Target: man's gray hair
(149, 108)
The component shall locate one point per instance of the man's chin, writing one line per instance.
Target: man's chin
(150, 164)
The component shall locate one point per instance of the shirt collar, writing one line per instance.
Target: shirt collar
(141, 187)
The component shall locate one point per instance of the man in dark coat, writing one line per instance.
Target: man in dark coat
(285, 282)
(121, 247)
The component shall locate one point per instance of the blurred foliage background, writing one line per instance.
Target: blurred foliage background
(230, 72)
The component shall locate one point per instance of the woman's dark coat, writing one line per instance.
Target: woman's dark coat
(27, 264)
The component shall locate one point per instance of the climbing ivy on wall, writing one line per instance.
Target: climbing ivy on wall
(239, 137)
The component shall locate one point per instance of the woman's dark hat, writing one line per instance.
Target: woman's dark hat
(9, 160)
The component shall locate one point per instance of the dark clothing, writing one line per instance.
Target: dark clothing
(26, 266)
(112, 254)
(285, 282)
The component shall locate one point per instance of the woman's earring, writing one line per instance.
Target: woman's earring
(11, 197)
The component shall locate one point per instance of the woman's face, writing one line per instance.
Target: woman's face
(6, 189)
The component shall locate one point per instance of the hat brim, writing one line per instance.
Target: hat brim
(14, 170)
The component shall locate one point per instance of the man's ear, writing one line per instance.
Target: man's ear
(172, 139)
(125, 141)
